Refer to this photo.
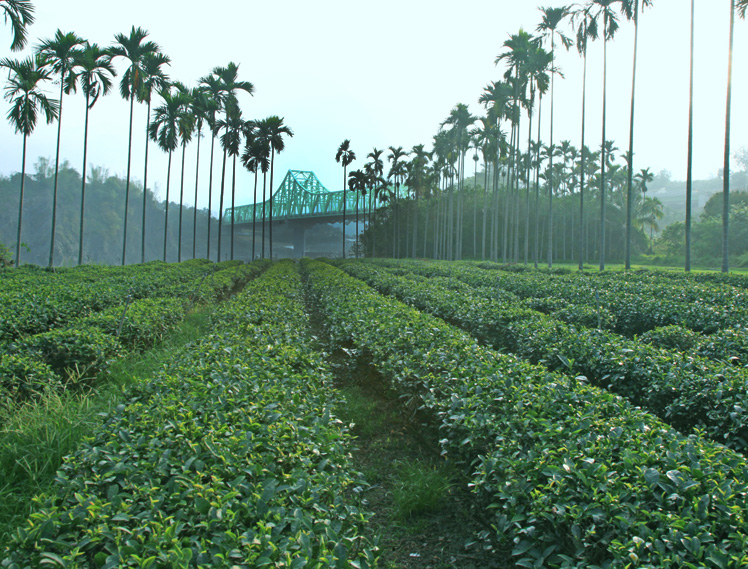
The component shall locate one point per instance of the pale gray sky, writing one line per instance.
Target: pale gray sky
(387, 73)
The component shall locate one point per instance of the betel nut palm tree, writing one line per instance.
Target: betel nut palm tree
(95, 74)
(202, 106)
(345, 156)
(20, 13)
(212, 87)
(549, 28)
(133, 48)
(58, 55)
(164, 130)
(276, 131)
(630, 8)
(255, 158)
(23, 92)
(603, 10)
(154, 79)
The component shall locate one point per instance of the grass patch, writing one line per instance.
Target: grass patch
(419, 488)
(35, 437)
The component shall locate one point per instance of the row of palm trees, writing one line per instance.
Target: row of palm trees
(530, 76)
(439, 177)
(182, 114)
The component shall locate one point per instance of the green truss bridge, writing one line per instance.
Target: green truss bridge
(301, 201)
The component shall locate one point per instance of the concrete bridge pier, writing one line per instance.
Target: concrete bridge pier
(299, 240)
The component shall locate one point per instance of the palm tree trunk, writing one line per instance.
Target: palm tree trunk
(689, 168)
(127, 184)
(726, 174)
(145, 184)
(264, 186)
(536, 245)
(356, 242)
(602, 152)
(20, 202)
(233, 204)
(629, 192)
(527, 186)
(181, 204)
(345, 178)
(57, 171)
(415, 223)
(582, 226)
(210, 191)
(166, 217)
(83, 185)
(194, 213)
(254, 215)
(485, 206)
(550, 169)
(270, 228)
(220, 205)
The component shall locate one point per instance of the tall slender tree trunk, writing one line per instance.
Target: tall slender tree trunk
(602, 151)
(220, 205)
(83, 185)
(726, 175)
(475, 209)
(57, 172)
(550, 168)
(264, 186)
(127, 183)
(415, 223)
(536, 215)
(345, 179)
(233, 204)
(194, 213)
(582, 225)
(166, 216)
(145, 184)
(356, 244)
(630, 182)
(485, 206)
(181, 204)
(527, 184)
(254, 216)
(270, 227)
(210, 192)
(689, 168)
(20, 202)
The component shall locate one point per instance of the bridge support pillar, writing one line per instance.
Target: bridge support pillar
(299, 240)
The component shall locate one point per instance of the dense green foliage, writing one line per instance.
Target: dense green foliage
(60, 329)
(683, 389)
(105, 204)
(570, 475)
(229, 457)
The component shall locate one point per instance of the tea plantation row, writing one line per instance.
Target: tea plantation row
(571, 475)
(683, 390)
(230, 457)
(63, 328)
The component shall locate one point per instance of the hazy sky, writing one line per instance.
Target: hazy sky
(388, 73)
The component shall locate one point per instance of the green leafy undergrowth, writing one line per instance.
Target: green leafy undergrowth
(684, 390)
(35, 436)
(569, 474)
(228, 457)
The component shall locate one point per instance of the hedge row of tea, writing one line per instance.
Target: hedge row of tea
(230, 457)
(639, 302)
(569, 474)
(685, 391)
(92, 319)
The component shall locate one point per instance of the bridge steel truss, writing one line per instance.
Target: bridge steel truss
(301, 196)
